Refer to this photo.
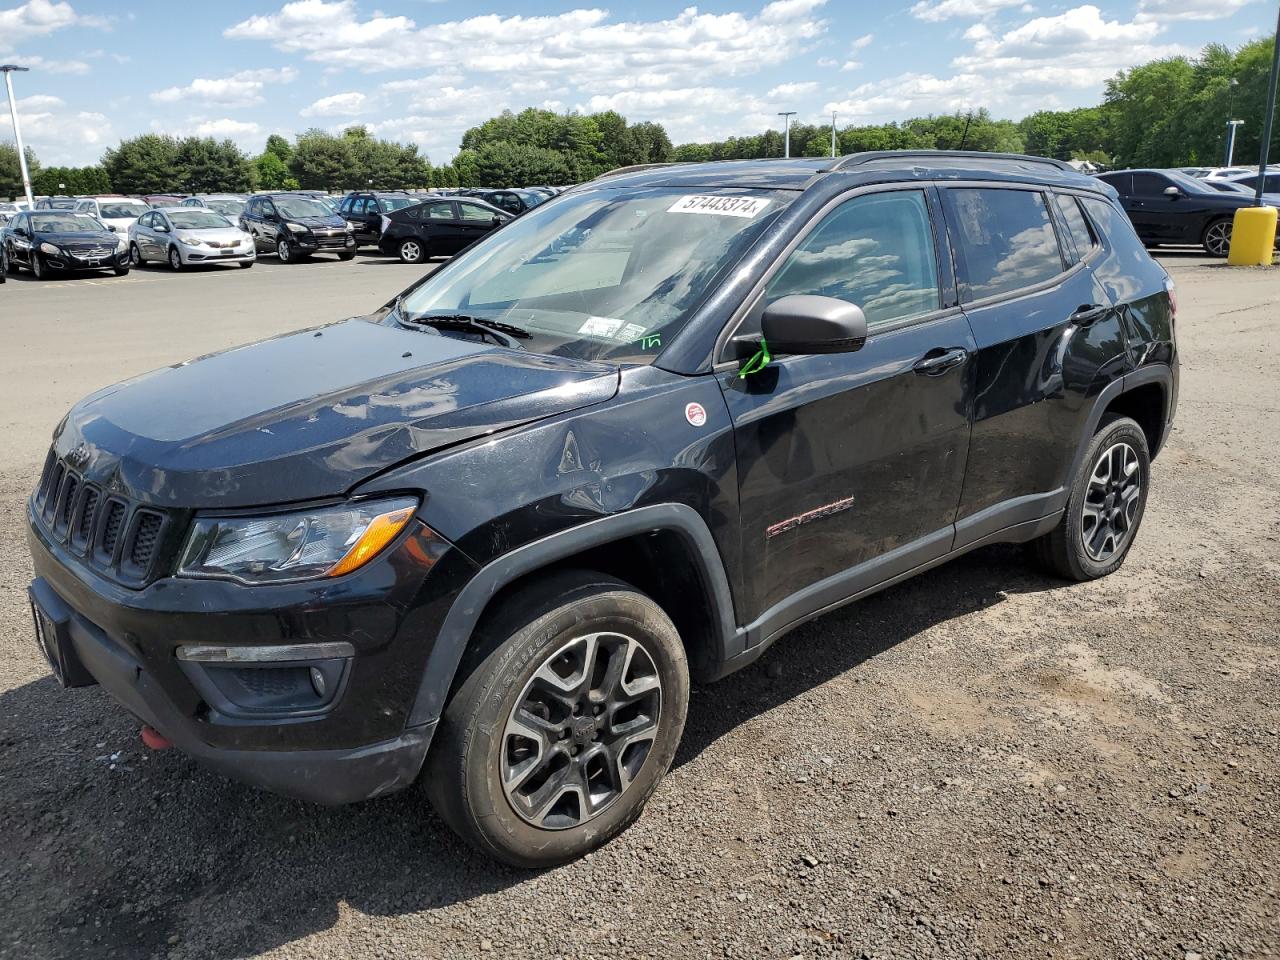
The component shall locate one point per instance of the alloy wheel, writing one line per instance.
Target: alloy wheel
(135, 255)
(175, 258)
(410, 251)
(37, 266)
(580, 730)
(282, 248)
(1217, 239)
(1111, 502)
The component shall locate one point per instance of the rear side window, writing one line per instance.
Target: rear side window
(1116, 227)
(876, 251)
(1004, 241)
(444, 211)
(1078, 233)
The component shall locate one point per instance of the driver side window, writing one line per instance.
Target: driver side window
(875, 251)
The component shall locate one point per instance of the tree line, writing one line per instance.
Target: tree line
(1169, 112)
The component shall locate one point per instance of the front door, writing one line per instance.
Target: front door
(850, 465)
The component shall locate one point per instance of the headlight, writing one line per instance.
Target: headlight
(122, 245)
(189, 241)
(50, 249)
(297, 227)
(353, 226)
(325, 542)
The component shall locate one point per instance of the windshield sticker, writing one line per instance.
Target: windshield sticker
(745, 207)
(600, 327)
(632, 331)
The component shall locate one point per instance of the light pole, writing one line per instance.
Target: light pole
(9, 69)
(1267, 117)
(786, 141)
(833, 134)
(1231, 140)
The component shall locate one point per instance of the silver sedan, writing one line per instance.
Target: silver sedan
(184, 236)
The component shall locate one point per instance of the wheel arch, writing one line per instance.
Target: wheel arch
(1128, 394)
(625, 545)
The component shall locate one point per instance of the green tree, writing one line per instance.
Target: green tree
(205, 165)
(515, 164)
(73, 180)
(145, 164)
(272, 173)
(322, 161)
(11, 170)
(278, 147)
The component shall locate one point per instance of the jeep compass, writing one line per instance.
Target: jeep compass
(483, 537)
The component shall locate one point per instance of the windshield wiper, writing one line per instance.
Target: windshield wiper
(505, 333)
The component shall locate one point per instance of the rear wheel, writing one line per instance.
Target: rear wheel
(1217, 238)
(569, 713)
(175, 259)
(412, 251)
(1105, 507)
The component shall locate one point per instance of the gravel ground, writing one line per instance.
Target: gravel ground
(980, 762)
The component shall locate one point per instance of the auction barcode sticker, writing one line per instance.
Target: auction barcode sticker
(746, 207)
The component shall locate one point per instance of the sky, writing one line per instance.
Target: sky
(424, 71)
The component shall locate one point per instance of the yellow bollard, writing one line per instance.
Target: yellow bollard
(1253, 237)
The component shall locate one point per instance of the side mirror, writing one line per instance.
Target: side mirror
(806, 324)
(1172, 192)
(161, 228)
(497, 221)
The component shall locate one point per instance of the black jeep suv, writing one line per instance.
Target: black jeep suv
(487, 534)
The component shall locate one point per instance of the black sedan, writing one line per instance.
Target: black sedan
(1167, 206)
(437, 228)
(57, 241)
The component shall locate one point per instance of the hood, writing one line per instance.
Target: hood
(311, 414)
(219, 234)
(76, 236)
(329, 222)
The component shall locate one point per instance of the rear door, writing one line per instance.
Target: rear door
(850, 465)
(1048, 339)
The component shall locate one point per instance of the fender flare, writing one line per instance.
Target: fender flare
(1160, 373)
(460, 622)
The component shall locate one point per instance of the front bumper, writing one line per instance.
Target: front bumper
(322, 243)
(356, 746)
(67, 261)
(210, 255)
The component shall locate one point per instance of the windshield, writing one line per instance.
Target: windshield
(299, 208)
(329, 203)
(228, 207)
(531, 197)
(122, 211)
(396, 203)
(65, 223)
(197, 219)
(603, 274)
(58, 204)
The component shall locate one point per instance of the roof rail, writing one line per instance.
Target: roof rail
(870, 156)
(637, 167)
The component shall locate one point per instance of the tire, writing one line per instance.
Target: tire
(284, 251)
(120, 271)
(347, 256)
(135, 255)
(9, 266)
(412, 251)
(567, 619)
(1216, 238)
(175, 259)
(246, 264)
(1079, 548)
(37, 266)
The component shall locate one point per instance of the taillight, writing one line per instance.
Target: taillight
(386, 222)
(1172, 289)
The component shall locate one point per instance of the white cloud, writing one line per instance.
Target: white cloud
(61, 136)
(850, 65)
(44, 65)
(242, 89)
(969, 9)
(863, 41)
(784, 90)
(226, 128)
(338, 105)
(35, 18)
(1160, 11)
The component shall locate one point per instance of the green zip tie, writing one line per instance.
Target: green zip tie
(759, 360)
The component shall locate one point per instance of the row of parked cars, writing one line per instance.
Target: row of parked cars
(1194, 205)
(62, 234)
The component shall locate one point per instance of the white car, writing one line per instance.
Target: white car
(184, 236)
(118, 213)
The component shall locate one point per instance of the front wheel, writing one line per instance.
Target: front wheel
(120, 271)
(284, 250)
(246, 264)
(347, 255)
(175, 259)
(568, 716)
(38, 269)
(1217, 238)
(135, 255)
(1105, 506)
(9, 266)
(412, 251)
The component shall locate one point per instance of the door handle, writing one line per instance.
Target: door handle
(1088, 314)
(937, 362)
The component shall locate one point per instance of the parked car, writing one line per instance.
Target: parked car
(118, 213)
(8, 210)
(56, 203)
(294, 227)
(437, 228)
(230, 205)
(157, 200)
(1249, 180)
(515, 202)
(365, 210)
(184, 236)
(489, 532)
(1167, 206)
(61, 241)
(1235, 186)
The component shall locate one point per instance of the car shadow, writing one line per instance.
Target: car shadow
(114, 850)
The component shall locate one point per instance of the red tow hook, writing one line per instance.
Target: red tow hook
(154, 739)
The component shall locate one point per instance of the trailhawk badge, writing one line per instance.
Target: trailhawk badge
(695, 414)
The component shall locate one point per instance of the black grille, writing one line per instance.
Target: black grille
(111, 527)
(122, 538)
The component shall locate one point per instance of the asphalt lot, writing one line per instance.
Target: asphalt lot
(980, 762)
